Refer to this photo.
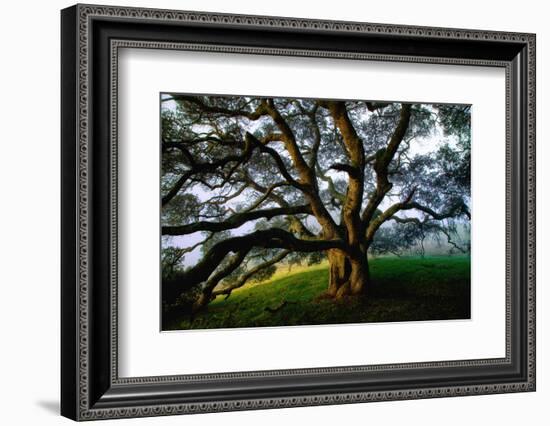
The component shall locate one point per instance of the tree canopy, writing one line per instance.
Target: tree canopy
(249, 182)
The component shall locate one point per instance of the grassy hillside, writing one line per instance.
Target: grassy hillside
(403, 289)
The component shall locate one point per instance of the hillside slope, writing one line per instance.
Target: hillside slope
(403, 289)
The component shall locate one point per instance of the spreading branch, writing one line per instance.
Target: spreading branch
(381, 162)
(243, 279)
(199, 168)
(234, 221)
(271, 238)
(251, 115)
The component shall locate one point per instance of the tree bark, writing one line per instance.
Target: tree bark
(360, 276)
(339, 271)
(348, 275)
(201, 302)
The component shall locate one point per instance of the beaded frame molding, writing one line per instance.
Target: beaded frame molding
(91, 38)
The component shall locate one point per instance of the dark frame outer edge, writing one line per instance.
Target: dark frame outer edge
(69, 261)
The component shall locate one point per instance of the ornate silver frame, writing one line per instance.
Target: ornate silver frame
(91, 388)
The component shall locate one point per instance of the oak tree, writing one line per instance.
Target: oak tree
(257, 181)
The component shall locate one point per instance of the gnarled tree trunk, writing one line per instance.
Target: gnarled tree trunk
(202, 301)
(339, 271)
(359, 277)
(348, 275)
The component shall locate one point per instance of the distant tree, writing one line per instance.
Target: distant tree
(265, 180)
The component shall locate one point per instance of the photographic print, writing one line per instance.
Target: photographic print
(292, 211)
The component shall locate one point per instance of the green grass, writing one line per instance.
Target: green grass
(402, 289)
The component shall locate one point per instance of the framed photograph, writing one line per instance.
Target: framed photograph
(263, 212)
